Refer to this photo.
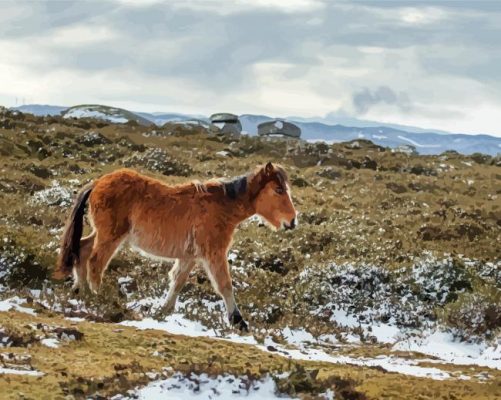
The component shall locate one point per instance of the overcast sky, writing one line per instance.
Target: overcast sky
(429, 64)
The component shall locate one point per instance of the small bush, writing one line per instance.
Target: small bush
(19, 267)
(439, 281)
(158, 160)
(476, 313)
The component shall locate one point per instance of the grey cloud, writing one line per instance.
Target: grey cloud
(21, 19)
(472, 5)
(217, 50)
(365, 99)
(222, 48)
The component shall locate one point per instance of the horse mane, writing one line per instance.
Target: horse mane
(233, 188)
(253, 181)
(236, 186)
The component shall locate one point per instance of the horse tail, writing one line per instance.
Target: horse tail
(69, 252)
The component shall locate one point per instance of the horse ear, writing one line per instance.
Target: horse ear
(268, 169)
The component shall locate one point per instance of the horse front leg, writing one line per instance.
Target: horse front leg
(219, 274)
(178, 276)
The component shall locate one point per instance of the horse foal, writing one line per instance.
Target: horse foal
(193, 223)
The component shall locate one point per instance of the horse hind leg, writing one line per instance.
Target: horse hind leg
(102, 252)
(80, 268)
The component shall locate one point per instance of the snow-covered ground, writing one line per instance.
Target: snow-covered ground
(295, 349)
(179, 386)
(302, 345)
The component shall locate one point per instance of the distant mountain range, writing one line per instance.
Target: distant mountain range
(424, 142)
(389, 135)
(40, 109)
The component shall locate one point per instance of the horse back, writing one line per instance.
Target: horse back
(158, 218)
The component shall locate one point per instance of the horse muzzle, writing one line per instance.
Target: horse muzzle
(290, 225)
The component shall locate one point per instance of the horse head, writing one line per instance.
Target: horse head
(273, 197)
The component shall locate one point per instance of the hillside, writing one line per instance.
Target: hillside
(40, 110)
(387, 135)
(389, 287)
(106, 113)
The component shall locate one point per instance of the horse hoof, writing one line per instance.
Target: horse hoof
(76, 290)
(238, 322)
(160, 314)
(243, 327)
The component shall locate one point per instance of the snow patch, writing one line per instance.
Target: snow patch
(226, 387)
(54, 195)
(19, 372)
(389, 363)
(50, 342)
(414, 143)
(174, 323)
(443, 346)
(14, 303)
(89, 113)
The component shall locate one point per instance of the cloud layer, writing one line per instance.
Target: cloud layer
(431, 64)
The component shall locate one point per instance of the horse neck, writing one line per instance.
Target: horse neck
(239, 209)
(243, 206)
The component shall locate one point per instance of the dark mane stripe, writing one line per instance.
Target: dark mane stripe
(281, 178)
(235, 187)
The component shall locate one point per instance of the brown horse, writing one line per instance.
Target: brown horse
(193, 223)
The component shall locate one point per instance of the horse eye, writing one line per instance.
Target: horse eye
(279, 190)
